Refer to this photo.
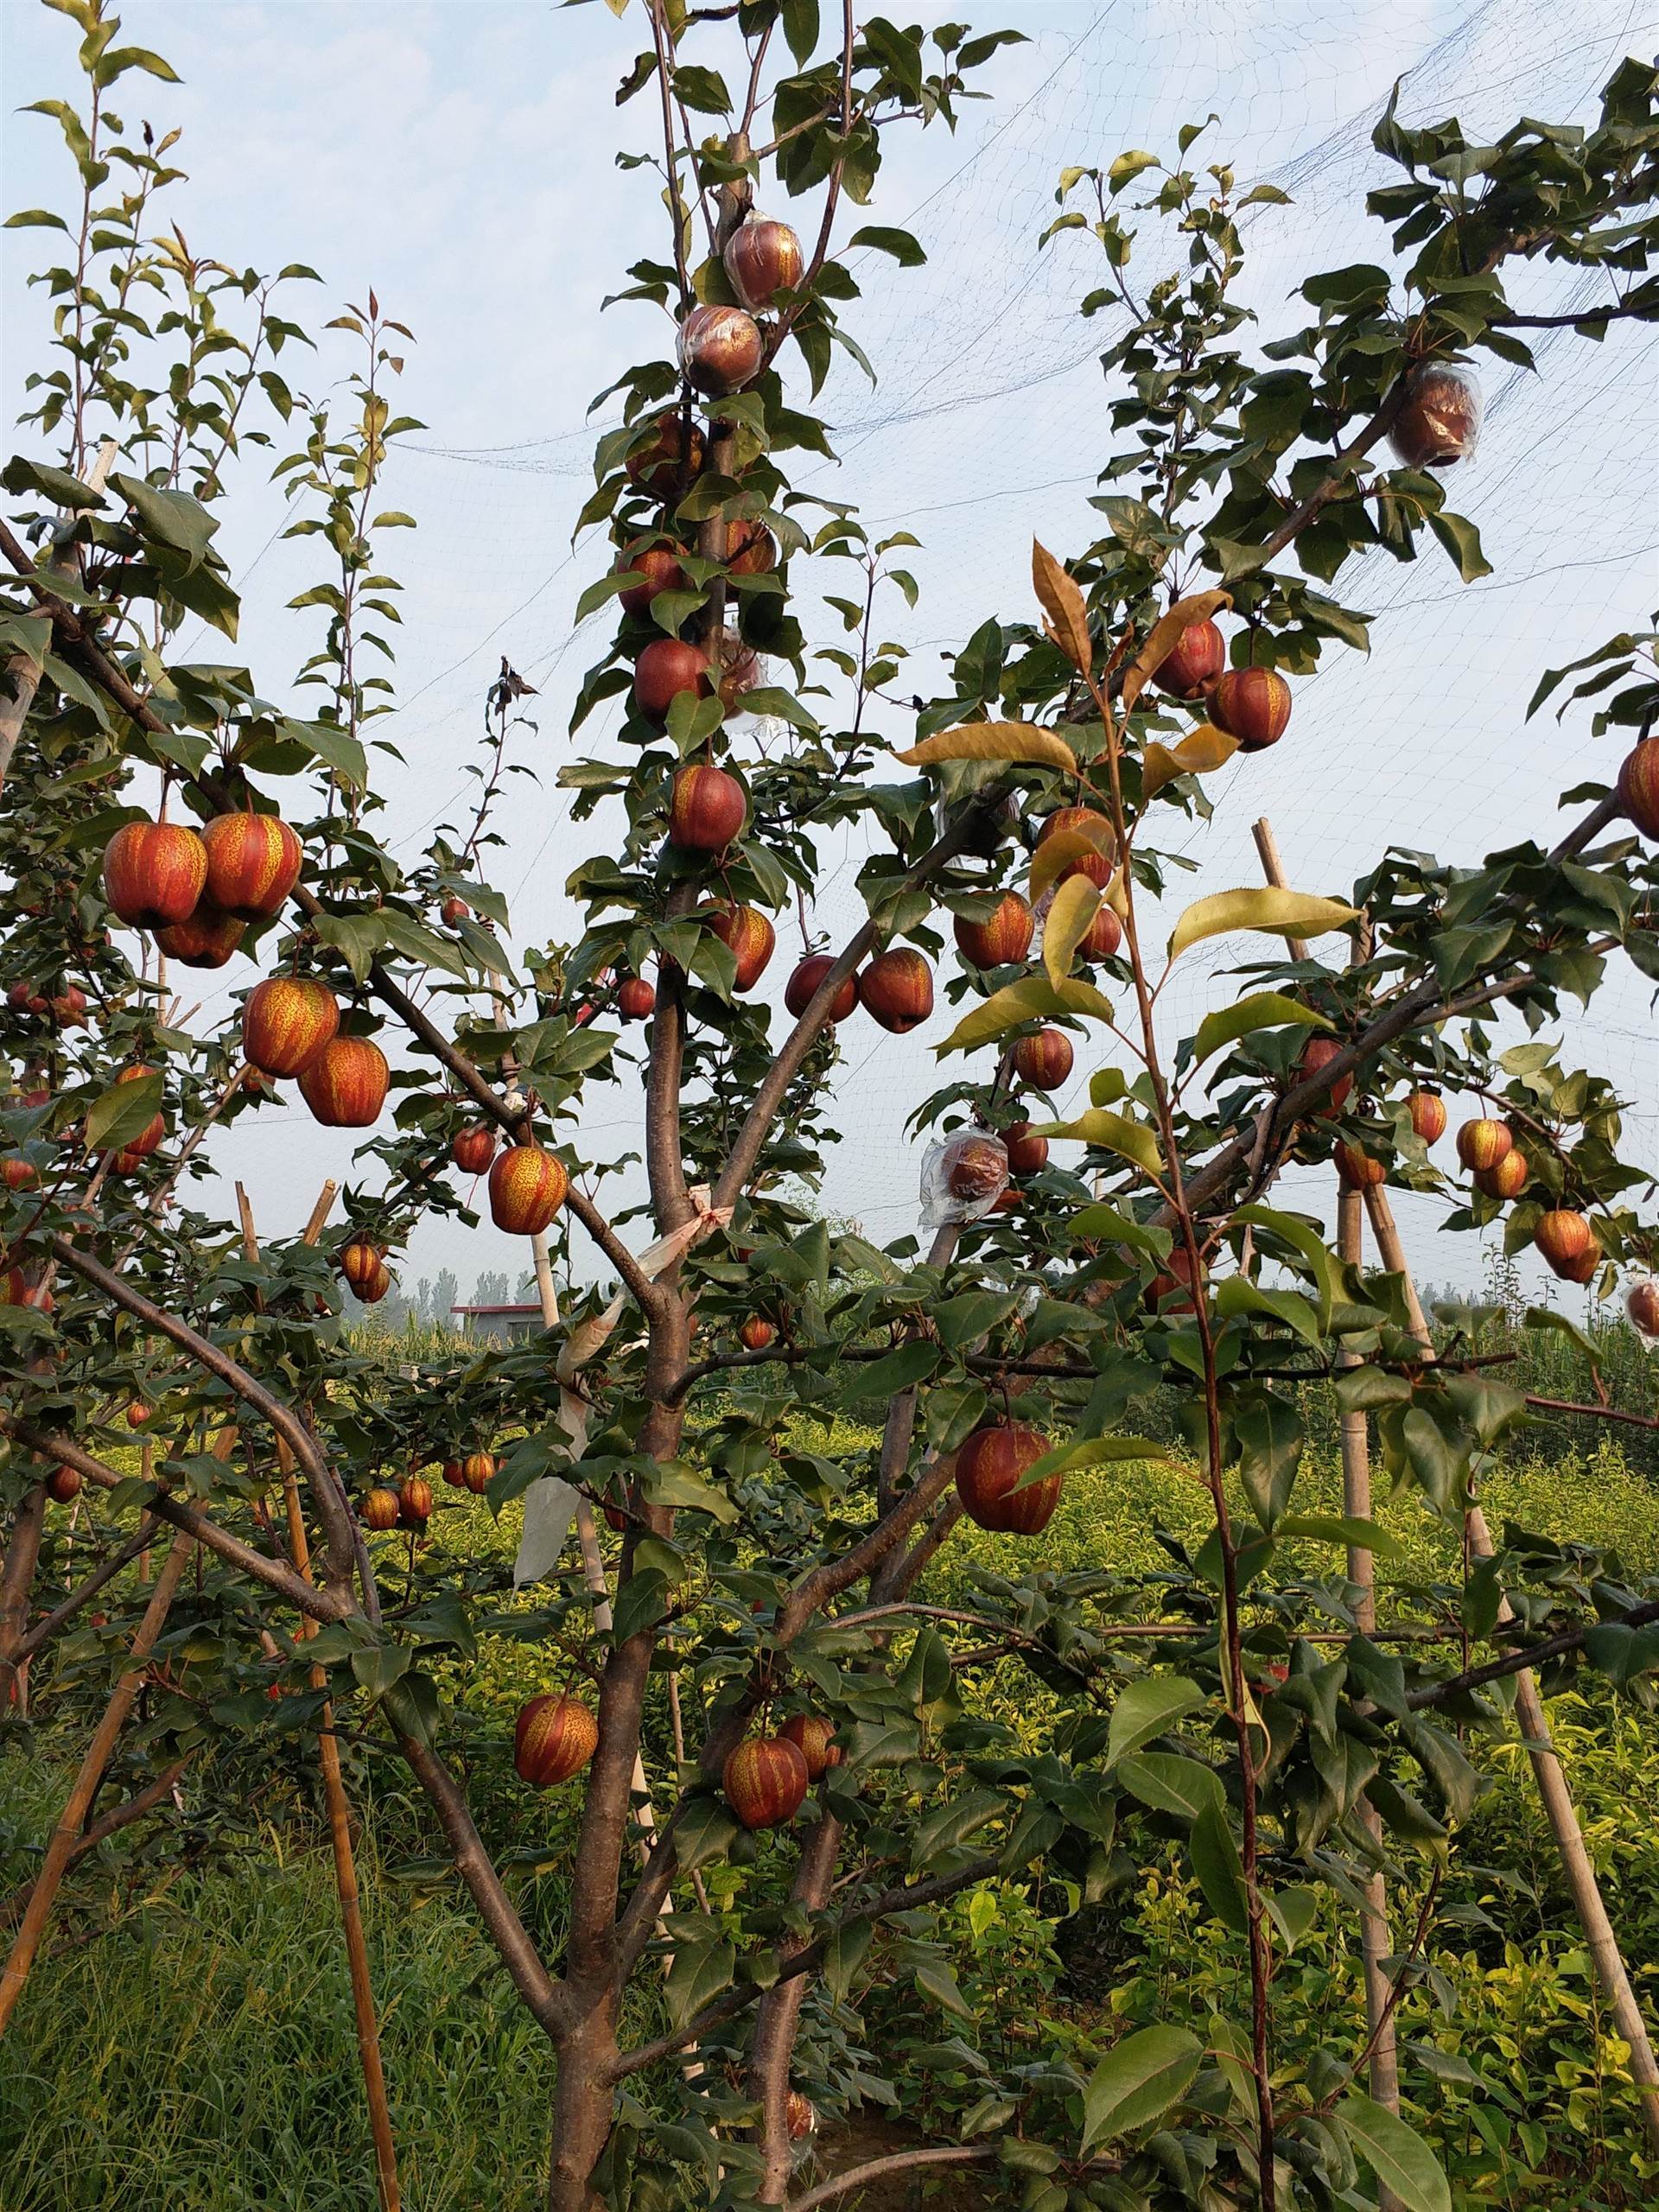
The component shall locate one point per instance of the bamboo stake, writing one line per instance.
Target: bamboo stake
(334, 1788)
(74, 1816)
(1374, 1940)
(1373, 1936)
(1560, 1811)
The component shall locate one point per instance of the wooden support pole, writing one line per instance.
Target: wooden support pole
(1577, 1866)
(72, 1819)
(1374, 1943)
(1374, 1936)
(333, 1789)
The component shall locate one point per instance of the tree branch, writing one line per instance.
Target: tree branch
(303, 1595)
(48, 1624)
(954, 2154)
(1516, 1663)
(904, 1898)
(336, 1516)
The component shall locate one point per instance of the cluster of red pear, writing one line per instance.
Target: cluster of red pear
(1563, 1236)
(291, 1027)
(197, 892)
(362, 1265)
(66, 1005)
(1251, 704)
(767, 1778)
(722, 348)
(1357, 1169)
(527, 1184)
(410, 1504)
(668, 666)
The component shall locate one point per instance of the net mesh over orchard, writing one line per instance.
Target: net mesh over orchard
(988, 424)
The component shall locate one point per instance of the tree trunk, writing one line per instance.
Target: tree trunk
(581, 2105)
(779, 2016)
(22, 1556)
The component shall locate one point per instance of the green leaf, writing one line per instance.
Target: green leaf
(843, 1954)
(125, 1111)
(673, 1482)
(1265, 1010)
(901, 1368)
(706, 1830)
(338, 749)
(1148, 1708)
(172, 517)
(1293, 1912)
(801, 28)
(1137, 2082)
(356, 938)
(1462, 541)
(55, 484)
(904, 250)
(1103, 1224)
(117, 60)
(1126, 168)
(1270, 1432)
(993, 742)
(1092, 1452)
(699, 1972)
(1238, 1295)
(1170, 1784)
(411, 1703)
(934, 1979)
(1281, 913)
(35, 219)
(1339, 1528)
(1396, 2154)
(1543, 1317)
(947, 1825)
(972, 1314)
(640, 1603)
(1219, 1869)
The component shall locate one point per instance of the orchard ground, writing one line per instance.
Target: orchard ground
(194, 2044)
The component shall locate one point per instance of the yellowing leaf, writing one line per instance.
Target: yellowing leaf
(1056, 854)
(1165, 636)
(1032, 999)
(1199, 751)
(1061, 602)
(1265, 1010)
(1283, 913)
(993, 742)
(1132, 1140)
(1076, 904)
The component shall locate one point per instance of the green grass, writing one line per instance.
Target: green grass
(200, 2056)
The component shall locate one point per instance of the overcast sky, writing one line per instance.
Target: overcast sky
(460, 158)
